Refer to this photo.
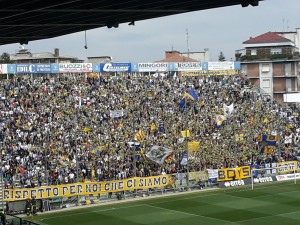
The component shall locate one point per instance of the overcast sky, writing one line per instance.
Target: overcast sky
(222, 29)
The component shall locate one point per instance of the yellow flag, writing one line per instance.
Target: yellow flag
(239, 137)
(185, 133)
(153, 127)
(140, 135)
(266, 120)
(86, 129)
(193, 145)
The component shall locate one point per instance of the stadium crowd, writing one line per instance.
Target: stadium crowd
(46, 123)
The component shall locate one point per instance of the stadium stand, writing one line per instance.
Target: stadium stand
(46, 123)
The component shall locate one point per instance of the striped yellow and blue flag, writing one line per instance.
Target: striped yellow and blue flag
(267, 143)
(191, 94)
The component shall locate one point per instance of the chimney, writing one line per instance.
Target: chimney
(56, 52)
(172, 53)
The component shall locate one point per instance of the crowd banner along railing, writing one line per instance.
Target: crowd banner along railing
(227, 174)
(87, 188)
(188, 68)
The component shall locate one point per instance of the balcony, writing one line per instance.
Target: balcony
(262, 54)
(285, 90)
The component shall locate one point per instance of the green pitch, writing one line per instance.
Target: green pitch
(271, 204)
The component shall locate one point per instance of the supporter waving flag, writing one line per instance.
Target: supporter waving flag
(191, 94)
(219, 120)
(158, 154)
(267, 143)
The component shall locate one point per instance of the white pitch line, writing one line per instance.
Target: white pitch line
(172, 210)
(281, 214)
(195, 197)
(95, 211)
(219, 192)
(190, 214)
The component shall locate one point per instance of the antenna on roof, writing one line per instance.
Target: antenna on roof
(85, 46)
(187, 42)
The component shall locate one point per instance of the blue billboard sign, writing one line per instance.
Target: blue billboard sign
(11, 68)
(96, 68)
(172, 66)
(204, 65)
(115, 67)
(134, 67)
(237, 65)
(54, 68)
(33, 68)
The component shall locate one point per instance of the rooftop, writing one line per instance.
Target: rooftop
(269, 37)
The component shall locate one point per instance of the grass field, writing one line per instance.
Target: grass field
(271, 204)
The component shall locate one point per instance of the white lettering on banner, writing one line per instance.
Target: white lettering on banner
(188, 66)
(152, 67)
(75, 67)
(25, 68)
(212, 174)
(108, 67)
(286, 166)
(263, 180)
(234, 183)
(220, 65)
(288, 177)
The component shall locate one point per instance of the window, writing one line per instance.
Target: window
(253, 51)
(276, 51)
(265, 83)
(265, 68)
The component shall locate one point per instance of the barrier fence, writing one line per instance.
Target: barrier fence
(67, 195)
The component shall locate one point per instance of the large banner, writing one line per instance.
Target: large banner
(75, 67)
(287, 167)
(209, 72)
(220, 65)
(115, 67)
(33, 68)
(288, 177)
(3, 68)
(228, 174)
(75, 189)
(187, 66)
(198, 176)
(212, 173)
(153, 67)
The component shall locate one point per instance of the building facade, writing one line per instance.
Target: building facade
(25, 56)
(271, 62)
(176, 56)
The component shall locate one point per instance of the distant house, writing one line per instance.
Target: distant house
(271, 62)
(176, 56)
(99, 59)
(25, 56)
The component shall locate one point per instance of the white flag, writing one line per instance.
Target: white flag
(116, 113)
(227, 109)
(158, 154)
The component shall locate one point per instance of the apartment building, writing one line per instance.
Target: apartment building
(271, 62)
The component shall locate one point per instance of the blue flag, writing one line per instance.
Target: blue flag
(191, 94)
(267, 143)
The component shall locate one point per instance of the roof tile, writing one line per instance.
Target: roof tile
(269, 37)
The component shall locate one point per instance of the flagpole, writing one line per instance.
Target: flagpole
(187, 152)
(235, 145)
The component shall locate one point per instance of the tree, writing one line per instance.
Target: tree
(5, 58)
(221, 57)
